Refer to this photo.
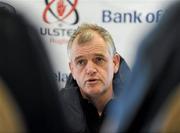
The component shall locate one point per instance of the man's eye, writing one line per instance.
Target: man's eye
(81, 62)
(99, 60)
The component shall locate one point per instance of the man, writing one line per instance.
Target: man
(95, 78)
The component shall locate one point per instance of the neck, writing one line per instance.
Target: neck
(101, 101)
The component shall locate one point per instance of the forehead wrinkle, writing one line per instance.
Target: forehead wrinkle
(83, 50)
(90, 56)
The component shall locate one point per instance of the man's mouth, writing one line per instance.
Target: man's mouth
(92, 81)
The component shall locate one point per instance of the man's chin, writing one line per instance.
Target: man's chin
(93, 93)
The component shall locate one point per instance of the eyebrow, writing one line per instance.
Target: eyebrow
(79, 57)
(99, 55)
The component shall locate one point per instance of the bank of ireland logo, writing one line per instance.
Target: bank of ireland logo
(60, 10)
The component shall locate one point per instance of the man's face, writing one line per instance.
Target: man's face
(93, 67)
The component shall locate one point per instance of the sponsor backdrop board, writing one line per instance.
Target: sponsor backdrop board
(128, 21)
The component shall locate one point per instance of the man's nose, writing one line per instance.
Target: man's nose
(90, 68)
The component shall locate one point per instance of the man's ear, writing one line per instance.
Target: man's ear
(116, 61)
(71, 69)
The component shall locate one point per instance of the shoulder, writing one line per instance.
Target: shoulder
(70, 99)
(69, 94)
(72, 109)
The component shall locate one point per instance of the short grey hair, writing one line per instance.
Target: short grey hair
(85, 32)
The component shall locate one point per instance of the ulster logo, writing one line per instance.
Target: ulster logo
(61, 11)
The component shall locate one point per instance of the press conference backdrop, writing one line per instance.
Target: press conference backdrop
(128, 21)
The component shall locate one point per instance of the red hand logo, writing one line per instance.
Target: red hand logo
(60, 10)
(61, 7)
